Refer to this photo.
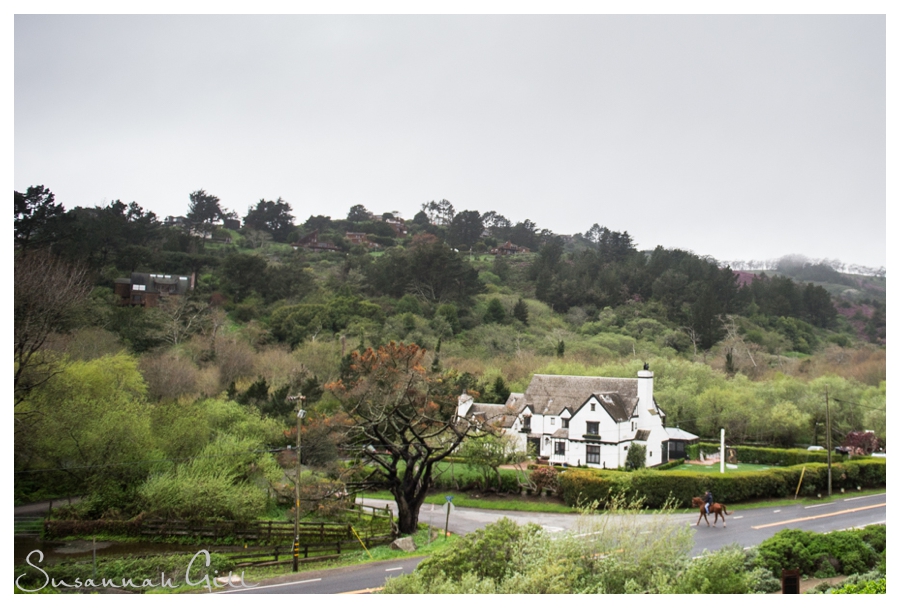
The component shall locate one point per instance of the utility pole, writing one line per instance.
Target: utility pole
(300, 414)
(828, 438)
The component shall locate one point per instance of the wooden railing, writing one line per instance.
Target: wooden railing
(370, 522)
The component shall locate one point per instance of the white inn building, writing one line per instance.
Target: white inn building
(582, 420)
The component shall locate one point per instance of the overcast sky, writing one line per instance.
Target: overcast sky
(738, 137)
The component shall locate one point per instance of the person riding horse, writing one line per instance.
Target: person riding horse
(709, 508)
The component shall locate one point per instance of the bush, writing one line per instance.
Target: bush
(821, 555)
(637, 457)
(486, 553)
(544, 477)
(506, 558)
(876, 586)
(720, 572)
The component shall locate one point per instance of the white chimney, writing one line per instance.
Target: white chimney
(645, 398)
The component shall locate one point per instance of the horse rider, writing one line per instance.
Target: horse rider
(708, 499)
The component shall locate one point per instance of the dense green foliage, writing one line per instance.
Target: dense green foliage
(867, 587)
(823, 555)
(134, 406)
(599, 557)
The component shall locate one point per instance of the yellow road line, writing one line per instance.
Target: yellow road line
(791, 521)
(372, 590)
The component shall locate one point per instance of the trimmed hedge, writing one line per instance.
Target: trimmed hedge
(776, 457)
(580, 487)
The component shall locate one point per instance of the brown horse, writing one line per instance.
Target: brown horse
(717, 509)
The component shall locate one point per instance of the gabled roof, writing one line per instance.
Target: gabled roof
(492, 413)
(550, 395)
(617, 408)
(642, 435)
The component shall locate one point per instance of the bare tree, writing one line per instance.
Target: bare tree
(180, 318)
(47, 292)
(169, 376)
(403, 420)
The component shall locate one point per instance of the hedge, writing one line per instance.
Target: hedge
(771, 456)
(580, 487)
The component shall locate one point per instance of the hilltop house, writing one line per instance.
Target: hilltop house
(146, 289)
(509, 248)
(580, 420)
(311, 242)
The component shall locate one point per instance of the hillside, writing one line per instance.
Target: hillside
(192, 335)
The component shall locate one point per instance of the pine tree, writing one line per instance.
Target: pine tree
(520, 311)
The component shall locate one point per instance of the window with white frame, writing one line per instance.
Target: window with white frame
(593, 428)
(560, 448)
(593, 454)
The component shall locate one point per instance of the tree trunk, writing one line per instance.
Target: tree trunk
(408, 511)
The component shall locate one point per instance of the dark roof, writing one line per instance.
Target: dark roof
(642, 435)
(617, 407)
(498, 415)
(550, 395)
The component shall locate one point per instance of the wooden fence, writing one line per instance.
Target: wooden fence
(369, 523)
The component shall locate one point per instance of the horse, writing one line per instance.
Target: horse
(717, 509)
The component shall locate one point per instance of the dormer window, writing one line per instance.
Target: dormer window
(565, 423)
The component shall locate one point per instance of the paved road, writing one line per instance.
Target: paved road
(746, 527)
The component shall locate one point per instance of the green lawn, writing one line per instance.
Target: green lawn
(714, 468)
(500, 503)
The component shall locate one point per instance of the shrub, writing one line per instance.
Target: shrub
(544, 477)
(720, 572)
(876, 586)
(506, 558)
(486, 553)
(637, 457)
(814, 554)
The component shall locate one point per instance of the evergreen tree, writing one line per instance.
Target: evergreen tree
(495, 312)
(520, 311)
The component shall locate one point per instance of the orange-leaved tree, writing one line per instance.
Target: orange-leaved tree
(403, 420)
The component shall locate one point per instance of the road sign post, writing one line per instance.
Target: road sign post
(448, 506)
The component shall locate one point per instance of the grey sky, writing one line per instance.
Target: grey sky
(739, 137)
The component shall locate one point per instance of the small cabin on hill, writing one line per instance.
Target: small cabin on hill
(146, 289)
(583, 420)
